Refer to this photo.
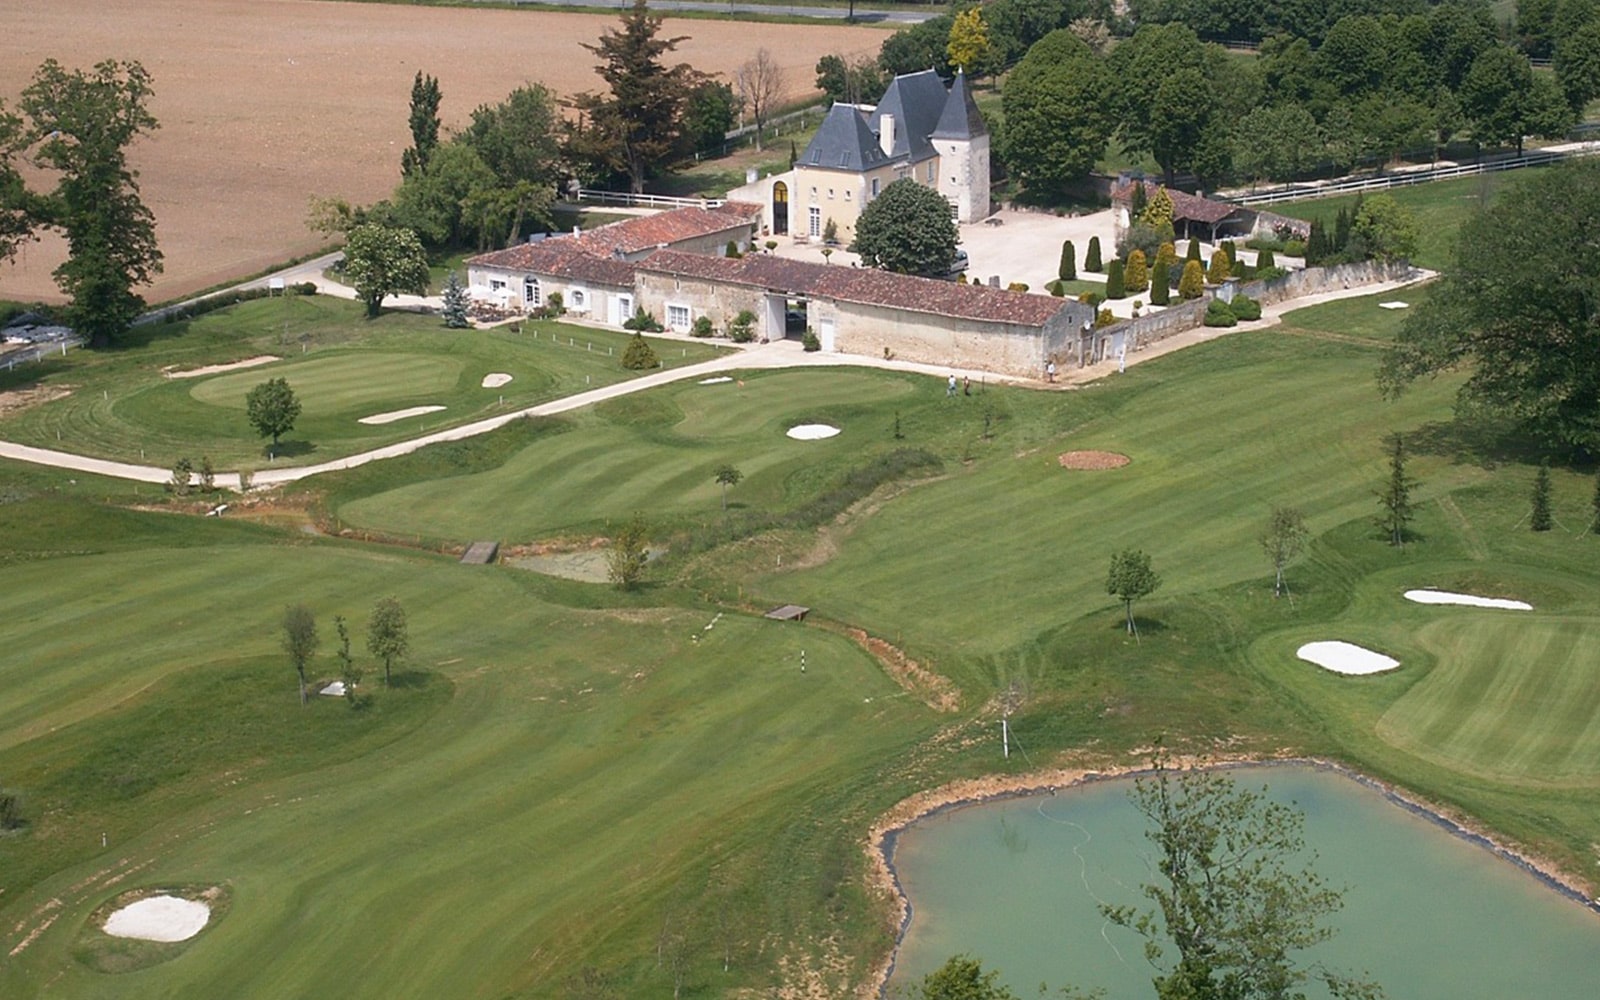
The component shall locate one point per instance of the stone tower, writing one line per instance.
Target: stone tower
(962, 142)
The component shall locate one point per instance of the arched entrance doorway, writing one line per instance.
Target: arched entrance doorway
(780, 209)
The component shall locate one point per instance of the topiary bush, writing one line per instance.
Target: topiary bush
(642, 321)
(1017, 286)
(809, 341)
(639, 355)
(732, 250)
(1161, 284)
(1220, 268)
(1193, 253)
(1264, 259)
(1193, 282)
(1136, 277)
(1115, 286)
(1218, 314)
(1091, 259)
(1056, 288)
(702, 327)
(1244, 307)
(1067, 270)
(1104, 318)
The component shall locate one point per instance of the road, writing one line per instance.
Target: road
(782, 10)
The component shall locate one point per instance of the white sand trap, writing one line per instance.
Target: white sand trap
(1396, 304)
(334, 690)
(495, 380)
(1345, 658)
(262, 359)
(159, 918)
(1472, 600)
(717, 380)
(393, 415)
(812, 432)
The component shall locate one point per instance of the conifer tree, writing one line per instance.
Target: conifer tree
(1136, 277)
(1159, 212)
(1341, 233)
(1091, 259)
(1316, 244)
(455, 303)
(1193, 282)
(1264, 260)
(1221, 266)
(1115, 289)
(1166, 254)
(425, 98)
(1395, 497)
(1068, 268)
(1161, 283)
(639, 355)
(1228, 247)
(1540, 519)
(1138, 202)
(1194, 250)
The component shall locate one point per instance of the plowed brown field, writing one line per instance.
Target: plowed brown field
(264, 103)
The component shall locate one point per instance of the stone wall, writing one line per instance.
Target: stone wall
(877, 331)
(720, 302)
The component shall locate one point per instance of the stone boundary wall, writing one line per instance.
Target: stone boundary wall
(1154, 327)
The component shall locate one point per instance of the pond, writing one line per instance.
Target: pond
(1430, 915)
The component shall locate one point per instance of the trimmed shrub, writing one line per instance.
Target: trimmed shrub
(639, 355)
(1165, 254)
(1091, 298)
(555, 305)
(1264, 259)
(1091, 259)
(1067, 270)
(1193, 252)
(1193, 282)
(1237, 270)
(830, 230)
(702, 327)
(1228, 247)
(1295, 248)
(732, 250)
(1115, 286)
(1136, 277)
(1017, 286)
(1244, 307)
(809, 341)
(642, 321)
(1104, 318)
(1220, 267)
(1056, 288)
(1218, 314)
(1161, 284)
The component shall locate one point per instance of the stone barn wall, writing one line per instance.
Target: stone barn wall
(938, 340)
(721, 301)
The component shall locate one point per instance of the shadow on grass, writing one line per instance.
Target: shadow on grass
(1470, 442)
(1146, 627)
(29, 373)
(412, 680)
(289, 449)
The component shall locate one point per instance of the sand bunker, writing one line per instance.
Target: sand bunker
(1345, 658)
(1472, 600)
(495, 380)
(717, 380)
(263, 359)
(812, 432)
(159, 918)
(393, 415)
(1396, 304)
(1092, 460)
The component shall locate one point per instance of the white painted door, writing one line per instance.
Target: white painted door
(825, 334)
(621, 309)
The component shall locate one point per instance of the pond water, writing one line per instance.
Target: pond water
(1430, 915)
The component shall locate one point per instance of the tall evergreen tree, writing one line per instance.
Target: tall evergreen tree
(1395, 497)
(1193, 253)
(1540, 518)
(455, 304)
(634, 128)
(1316, 244)
(425, 99)
(1161, 283)
(1115, 288)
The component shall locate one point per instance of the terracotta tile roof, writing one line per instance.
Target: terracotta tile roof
(646, 231)
(1184, 204)
(864, 285)
(561, 257)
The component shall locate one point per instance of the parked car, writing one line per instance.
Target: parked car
(958, 265)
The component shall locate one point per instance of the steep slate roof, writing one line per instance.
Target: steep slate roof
(961, 118)
(1184, 205)
(844, 142)
(864, 285)
(916, 100)
(560, 257)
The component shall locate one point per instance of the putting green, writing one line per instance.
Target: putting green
(1510, 698)
(342, 383)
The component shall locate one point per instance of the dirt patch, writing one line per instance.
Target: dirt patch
(1092, 461)
(263, 103)
(17, 400)
(936, 691)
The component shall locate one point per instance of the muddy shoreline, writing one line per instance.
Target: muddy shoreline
(885, 832)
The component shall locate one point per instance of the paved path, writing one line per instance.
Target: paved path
(783, 354)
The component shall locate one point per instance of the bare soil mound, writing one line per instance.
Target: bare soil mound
(1092, 460)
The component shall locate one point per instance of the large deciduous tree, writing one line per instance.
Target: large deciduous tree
(299, 638)
(1235, 899)
(1055, 113)
(857, 81)
(634, 128)
(907, 229)
(272, 409)
(79, 126)
(762, 86)
(962, 978)
(968, 46)
(1526, 331)
(380, 261)
(17, 217)
(425, 98)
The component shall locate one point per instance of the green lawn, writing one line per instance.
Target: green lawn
(341, 366)
(576, 787)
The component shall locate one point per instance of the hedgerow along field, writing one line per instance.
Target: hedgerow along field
(121, 404)
(592, 787)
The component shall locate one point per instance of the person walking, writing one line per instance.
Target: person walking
(950, 387)
(1050, 371)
